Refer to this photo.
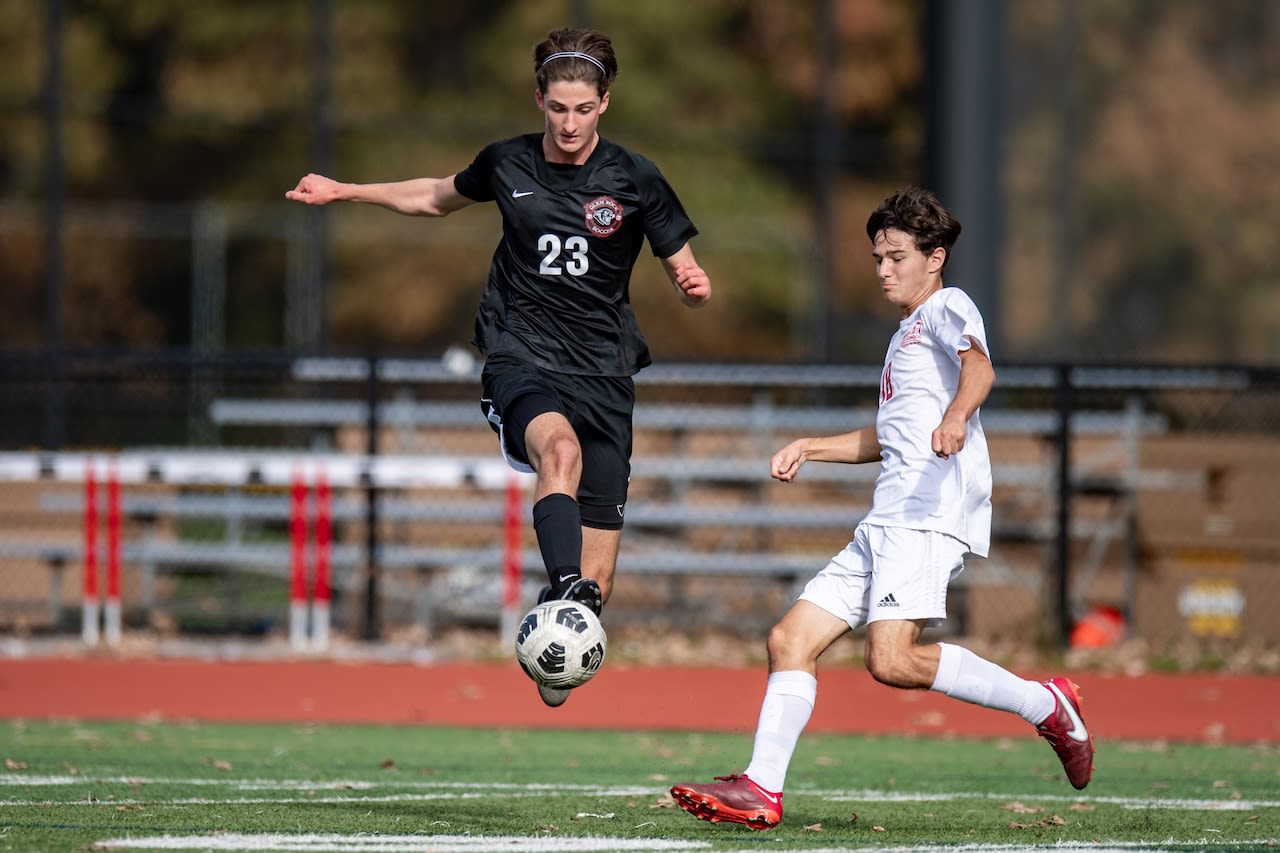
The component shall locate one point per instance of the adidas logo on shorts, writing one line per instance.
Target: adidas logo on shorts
(888, 601)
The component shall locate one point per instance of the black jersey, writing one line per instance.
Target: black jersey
(558, 290)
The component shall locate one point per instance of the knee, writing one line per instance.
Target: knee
(563, 454)
(786, 651)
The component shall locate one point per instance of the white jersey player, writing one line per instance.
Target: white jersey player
(931, 509)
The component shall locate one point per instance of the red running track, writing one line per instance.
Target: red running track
(1196, 708)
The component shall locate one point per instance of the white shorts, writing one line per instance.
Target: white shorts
(888, 573)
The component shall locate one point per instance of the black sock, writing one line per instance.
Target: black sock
(558, 525)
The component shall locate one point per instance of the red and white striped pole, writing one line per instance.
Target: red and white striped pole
(89, 611)
(322, 593)
(112, 614)
(298, 564)
(513, 524)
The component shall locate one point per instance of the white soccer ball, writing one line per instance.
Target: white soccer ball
(560, 644)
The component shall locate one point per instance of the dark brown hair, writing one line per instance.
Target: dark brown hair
(917, 212)
(560, 45)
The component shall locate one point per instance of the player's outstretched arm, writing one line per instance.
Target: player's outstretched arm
(690, 280)
(977, 377)
(414, 197)
(861, 445)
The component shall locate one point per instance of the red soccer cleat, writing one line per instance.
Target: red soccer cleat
(1065, 731)
(735, 799)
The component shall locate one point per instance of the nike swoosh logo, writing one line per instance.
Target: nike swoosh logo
(774, 799)
(519, 194)
(1078, 731)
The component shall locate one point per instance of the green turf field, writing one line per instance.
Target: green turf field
(360, 789)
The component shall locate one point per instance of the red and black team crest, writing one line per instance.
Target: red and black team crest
(604, 216)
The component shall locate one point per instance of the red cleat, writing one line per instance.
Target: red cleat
(1065, 731)
(735, 799)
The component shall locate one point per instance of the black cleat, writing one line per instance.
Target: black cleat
(587, 592)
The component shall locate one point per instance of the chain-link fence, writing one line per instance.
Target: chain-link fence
(203, 497)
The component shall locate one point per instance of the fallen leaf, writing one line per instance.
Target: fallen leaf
(813, 827)
(1052, 820)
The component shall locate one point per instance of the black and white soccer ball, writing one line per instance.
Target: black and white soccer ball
(561, 644)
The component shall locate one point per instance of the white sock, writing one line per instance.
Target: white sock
(965, 676)
(788, 702)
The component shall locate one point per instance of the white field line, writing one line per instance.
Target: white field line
(311, 843)
(252, 843)
(364, 791)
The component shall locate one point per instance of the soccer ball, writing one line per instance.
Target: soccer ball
(560, 644)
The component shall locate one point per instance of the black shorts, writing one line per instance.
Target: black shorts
(599, 409)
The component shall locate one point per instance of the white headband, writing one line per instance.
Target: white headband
(574, 54)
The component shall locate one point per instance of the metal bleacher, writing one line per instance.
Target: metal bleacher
(693, 512)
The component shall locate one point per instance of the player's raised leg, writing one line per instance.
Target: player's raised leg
(1053, 706)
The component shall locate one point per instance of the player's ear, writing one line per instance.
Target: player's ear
(537, 98)
(937, 258)
(604, 102)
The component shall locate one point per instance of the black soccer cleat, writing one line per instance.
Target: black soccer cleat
(586, 592)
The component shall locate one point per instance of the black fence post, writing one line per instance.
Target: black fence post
(370, 629)
(1065, 401)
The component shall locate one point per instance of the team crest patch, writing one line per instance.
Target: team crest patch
(915, 336)
(604, 216)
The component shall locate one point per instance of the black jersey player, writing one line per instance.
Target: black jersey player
(555, 325)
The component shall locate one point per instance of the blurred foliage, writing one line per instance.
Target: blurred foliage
(1174, 170)
(1146, 240)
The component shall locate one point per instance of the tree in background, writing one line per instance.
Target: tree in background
(1153, 245)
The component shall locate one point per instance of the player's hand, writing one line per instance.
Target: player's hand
(315, 189)
(949, 438)
(694, 285)
(786, 462)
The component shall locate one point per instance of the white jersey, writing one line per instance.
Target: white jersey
(916, 488)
